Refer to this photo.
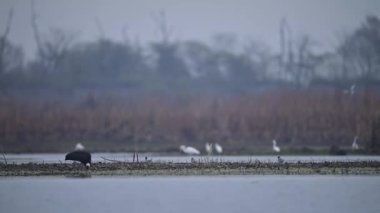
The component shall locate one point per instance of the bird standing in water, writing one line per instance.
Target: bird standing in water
(218, 148)
(189, 150)
(355, 145)
(280, 160)
(275, 147)
(208, 147)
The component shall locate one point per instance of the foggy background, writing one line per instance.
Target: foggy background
(152, 75)
(190, 20)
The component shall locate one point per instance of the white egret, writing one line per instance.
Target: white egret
(208, 147)
(218, 148)
(189, 150)
(355, 145)
(79, 147)
(350, 91)
(275, 147)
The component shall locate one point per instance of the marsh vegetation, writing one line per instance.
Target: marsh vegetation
(201, 167)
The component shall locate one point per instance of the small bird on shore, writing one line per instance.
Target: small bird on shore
(81, 156)
(193, 160)
(275, 147)
(148, 160)
(189, 150)
(280, 160)
(336, 150)
(218, 148)
(355, 145)
(79, 147)
(208, 148)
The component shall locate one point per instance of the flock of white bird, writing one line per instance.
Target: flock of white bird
(354, 146)
(209, 148)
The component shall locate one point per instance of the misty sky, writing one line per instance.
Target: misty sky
(259, 20)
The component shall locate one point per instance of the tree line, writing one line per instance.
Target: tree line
(167, 64)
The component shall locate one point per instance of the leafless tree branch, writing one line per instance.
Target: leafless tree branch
(165, 32)
(9, 23)
(99, 26)
(36, 33)
(4, 37)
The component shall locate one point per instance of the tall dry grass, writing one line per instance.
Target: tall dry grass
(319, 117)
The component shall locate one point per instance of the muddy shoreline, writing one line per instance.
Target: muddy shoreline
(196, 168)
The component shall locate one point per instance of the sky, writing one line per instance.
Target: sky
(257, 20)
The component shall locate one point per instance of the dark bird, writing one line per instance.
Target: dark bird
(335, 150)
(81, 156)
(280, 160)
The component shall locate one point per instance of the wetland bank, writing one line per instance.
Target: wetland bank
(294, 94)
(192, 169)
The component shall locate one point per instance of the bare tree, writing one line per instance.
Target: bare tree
(4, 40)
(51, 51)
(225, 42)
(304, 68)
(99, 26)
(296, 58)
(286, 47)
(165, 32)
(260, 56)
(360, 51)
(125, 36)
(168, 63)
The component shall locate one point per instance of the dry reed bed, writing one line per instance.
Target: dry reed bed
(295, 118)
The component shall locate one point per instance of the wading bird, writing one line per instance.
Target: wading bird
(355, 145)
(350, 91)
(218, 148)
(280, 160)
(79, 146)
(208, 147)
(148, 160)
(189, 150)
(81, 156)
(275, 147)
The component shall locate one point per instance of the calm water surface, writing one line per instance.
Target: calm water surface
(295, 194)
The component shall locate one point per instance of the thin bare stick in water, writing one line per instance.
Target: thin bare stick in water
(106, 159)
(5, 159)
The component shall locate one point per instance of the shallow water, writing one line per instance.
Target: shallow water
(98, 157)
(219, 194)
